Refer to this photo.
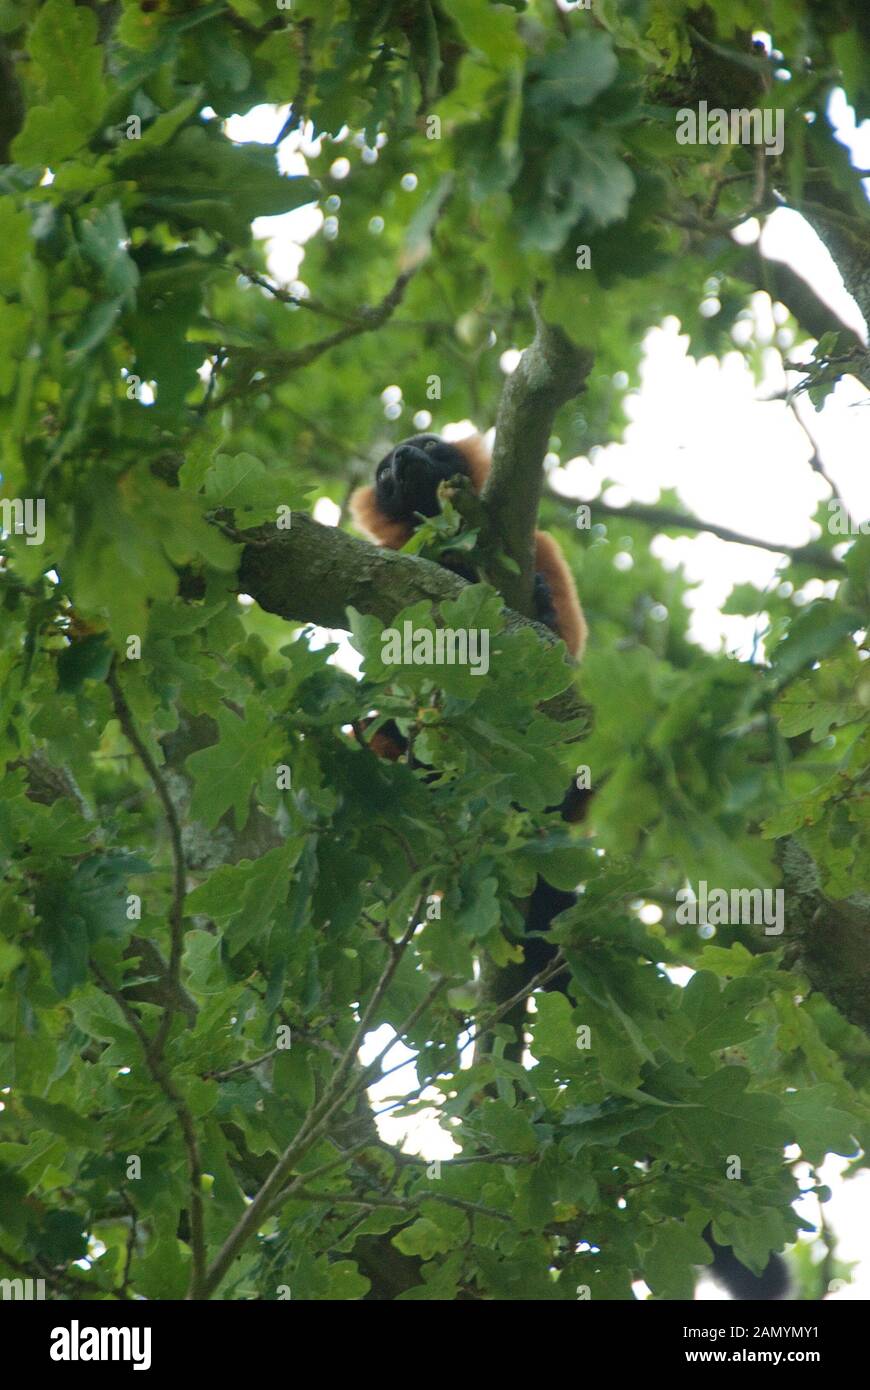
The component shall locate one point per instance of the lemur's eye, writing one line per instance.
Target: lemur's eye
(430, 445)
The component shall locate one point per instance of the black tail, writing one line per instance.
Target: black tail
(740, 1282)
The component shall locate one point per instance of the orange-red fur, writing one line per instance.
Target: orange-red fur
(368, 518)
(549, 560)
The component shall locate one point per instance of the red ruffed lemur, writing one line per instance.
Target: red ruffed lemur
(388, 512)
(406, 488)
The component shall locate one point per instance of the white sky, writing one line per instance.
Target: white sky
(708, 430)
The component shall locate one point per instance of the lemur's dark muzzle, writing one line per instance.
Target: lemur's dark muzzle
(409, 464)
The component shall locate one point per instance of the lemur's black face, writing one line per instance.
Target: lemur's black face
(406, 481)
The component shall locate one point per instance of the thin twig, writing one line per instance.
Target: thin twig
(406, 848)
(403, 1203)
(662, 517)
(343, 1157)
(269, 366)
(459, 1160)
(296, 301)
(242, 1066)
(218, 359)
(305, 27)
(556, 966)
(816, 463)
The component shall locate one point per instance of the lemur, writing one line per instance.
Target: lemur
(388, 511)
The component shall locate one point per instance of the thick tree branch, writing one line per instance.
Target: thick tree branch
(314, 573)
(550, 372)
(784, 286)
(846, 238)
(812, 313)
(726, 77)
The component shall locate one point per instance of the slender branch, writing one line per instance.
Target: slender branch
(816, 462)
(314, 1123)
(343, 1157)
(160, 1075)
(405, 847)
(296, 301)
(664, 517)
(394, 958)
(124, 716)
(358, 1084)
(217, 362)
(369, 1071)
(304, 1178)
(241, 1066)
(505, 1006)
(556, 966)
(783, 284)
(403, 1203)
(262, 368)
(463, 1160)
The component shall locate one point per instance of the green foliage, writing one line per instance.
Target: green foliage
(200, 856)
